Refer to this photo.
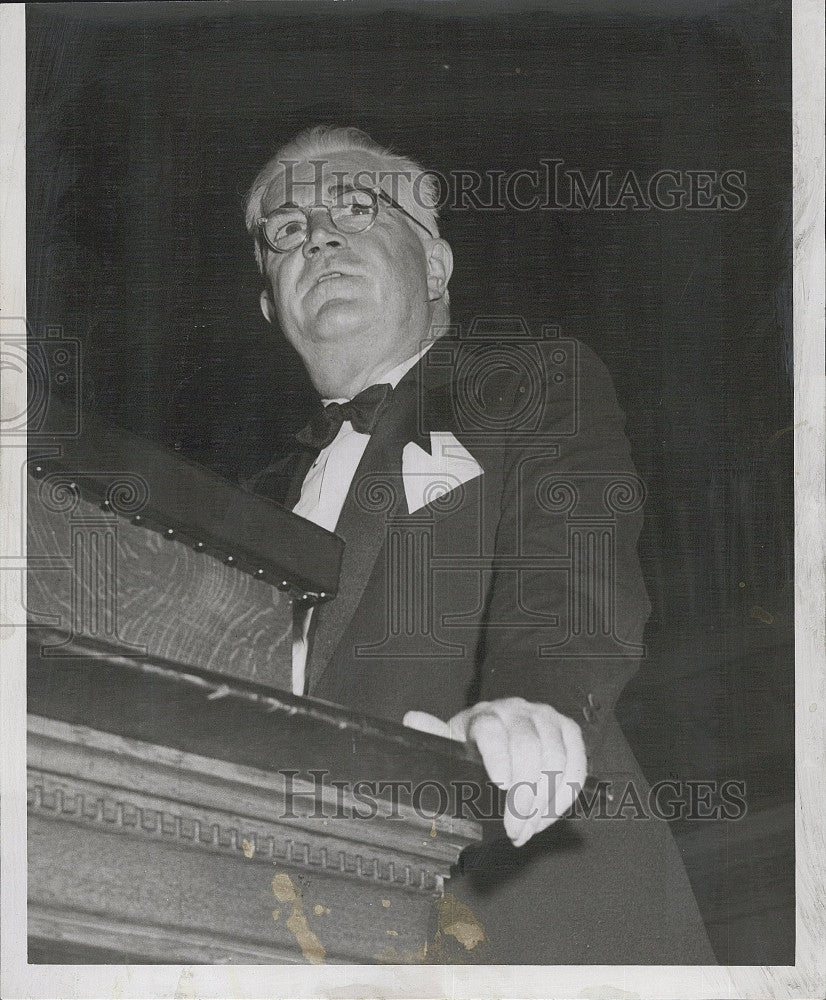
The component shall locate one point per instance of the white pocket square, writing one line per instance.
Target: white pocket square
(428, 477)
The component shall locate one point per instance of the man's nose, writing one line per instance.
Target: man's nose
(321, 234)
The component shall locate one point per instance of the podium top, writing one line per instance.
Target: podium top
(158, 489)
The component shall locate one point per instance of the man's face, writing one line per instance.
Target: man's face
(369, 289)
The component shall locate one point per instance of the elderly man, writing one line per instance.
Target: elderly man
(490, 586)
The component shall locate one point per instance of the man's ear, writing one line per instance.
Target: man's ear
(439, 268)
(267, 305)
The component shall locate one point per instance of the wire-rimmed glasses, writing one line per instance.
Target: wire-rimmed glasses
(354, 211)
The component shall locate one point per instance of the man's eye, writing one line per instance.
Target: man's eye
(355, 199)
(291, 228)
(356, 208)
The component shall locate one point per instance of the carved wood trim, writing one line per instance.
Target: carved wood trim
(88, 777)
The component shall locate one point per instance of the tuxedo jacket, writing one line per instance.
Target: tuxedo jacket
(491, 551)
(516, 573)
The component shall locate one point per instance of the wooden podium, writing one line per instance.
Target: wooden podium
(183, 805)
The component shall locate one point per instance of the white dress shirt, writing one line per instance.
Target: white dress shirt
(323, 493)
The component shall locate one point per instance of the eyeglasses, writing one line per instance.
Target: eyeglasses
(355, 210)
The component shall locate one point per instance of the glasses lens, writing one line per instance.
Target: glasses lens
(354, 211)
(285, 230)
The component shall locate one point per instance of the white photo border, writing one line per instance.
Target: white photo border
(807, 978)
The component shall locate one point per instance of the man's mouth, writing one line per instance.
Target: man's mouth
(330, 274)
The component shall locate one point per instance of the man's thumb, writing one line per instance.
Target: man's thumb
(426, 723)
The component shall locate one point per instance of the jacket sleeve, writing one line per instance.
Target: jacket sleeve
(567, 604)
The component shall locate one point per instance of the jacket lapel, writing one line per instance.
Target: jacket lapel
(376, 494)
(422, 402)
(282, 481)
(300, 467)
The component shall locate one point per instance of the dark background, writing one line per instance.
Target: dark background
(146, 124)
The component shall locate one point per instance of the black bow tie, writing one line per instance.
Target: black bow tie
(363, 412)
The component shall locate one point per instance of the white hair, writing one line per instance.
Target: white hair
(330, 139)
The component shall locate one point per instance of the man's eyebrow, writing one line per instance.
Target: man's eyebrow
(333, 189)
(342, 188)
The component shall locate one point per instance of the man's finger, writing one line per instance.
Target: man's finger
(427, 723)
(490, 734)
(524, 803)
(565, 767)
(547, 752)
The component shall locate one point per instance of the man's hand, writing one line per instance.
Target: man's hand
(531, 751)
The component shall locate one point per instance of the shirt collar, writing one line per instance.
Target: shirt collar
(395, 375)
